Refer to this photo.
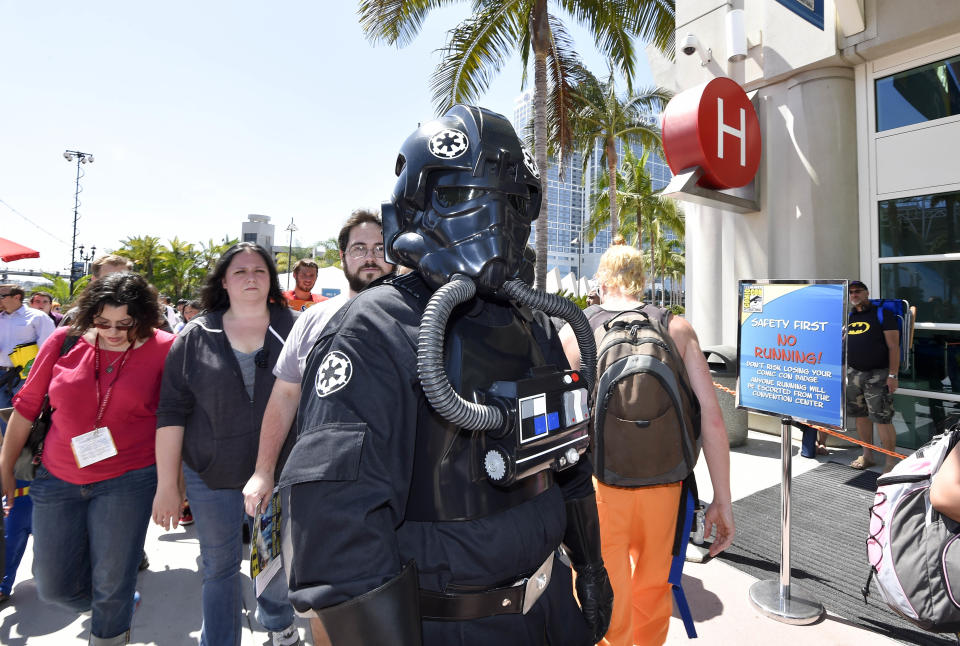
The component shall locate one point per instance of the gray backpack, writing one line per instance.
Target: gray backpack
(914, 551)
(646, 415)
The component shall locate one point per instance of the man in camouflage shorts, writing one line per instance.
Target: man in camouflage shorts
(873, 363)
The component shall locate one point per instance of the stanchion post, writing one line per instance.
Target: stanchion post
(774, 597)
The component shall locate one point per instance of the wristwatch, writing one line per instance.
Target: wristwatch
(891, 376)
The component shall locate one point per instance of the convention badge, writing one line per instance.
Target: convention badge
(93, 447)
(333, 374)
(449, 143)
(531, 163)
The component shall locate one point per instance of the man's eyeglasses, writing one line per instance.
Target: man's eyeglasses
(121, 327)
(857, 291)
(358, 251)
(7, 294)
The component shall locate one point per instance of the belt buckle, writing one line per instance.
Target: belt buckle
(536, 584)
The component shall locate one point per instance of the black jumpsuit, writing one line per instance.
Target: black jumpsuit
(347, 483)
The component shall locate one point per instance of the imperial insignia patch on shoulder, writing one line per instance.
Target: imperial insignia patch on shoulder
(334, 373)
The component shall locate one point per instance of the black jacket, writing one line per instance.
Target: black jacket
(203, 391)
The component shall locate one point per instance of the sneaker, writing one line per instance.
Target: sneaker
(288, 637)
(186, 517)
(144, 563)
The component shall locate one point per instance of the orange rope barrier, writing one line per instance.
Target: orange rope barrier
(828, 431)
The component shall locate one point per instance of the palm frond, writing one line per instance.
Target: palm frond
(565, 71)
(611, 29)
(395, 22)
(476, 50)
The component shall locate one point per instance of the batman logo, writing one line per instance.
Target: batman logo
(858, 327)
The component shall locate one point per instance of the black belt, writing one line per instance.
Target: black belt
(517, 598)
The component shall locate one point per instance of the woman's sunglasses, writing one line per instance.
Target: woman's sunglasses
(119, 326)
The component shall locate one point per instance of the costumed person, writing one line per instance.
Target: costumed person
(438, 465)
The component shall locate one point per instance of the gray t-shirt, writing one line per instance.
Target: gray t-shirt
(248, 368)
(306, 330)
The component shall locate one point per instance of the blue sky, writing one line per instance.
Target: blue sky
(199, 113)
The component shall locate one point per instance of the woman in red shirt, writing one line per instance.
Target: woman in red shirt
(92, 492)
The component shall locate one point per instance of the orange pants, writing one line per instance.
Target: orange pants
(636, 535)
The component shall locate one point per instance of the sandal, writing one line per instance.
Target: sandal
(822, 449)
(860, 464)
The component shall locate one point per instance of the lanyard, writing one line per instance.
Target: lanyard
(106, 398)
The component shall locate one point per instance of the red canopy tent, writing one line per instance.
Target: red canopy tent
(10, 251)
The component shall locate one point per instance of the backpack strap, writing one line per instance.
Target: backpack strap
(68, 342)
(689, 498)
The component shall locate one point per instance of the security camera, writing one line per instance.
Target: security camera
(691, 45)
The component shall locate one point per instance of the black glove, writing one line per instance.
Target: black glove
(596, 598)
(582, 539)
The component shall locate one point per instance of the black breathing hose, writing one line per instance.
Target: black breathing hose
(555, 305)
(430, 366)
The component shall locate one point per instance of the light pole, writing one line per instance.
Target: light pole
(82, 158)
(291, 228)
(86, 258)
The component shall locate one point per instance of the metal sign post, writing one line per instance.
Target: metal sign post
(773, 597)
(792, 364)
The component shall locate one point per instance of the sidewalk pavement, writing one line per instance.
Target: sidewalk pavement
(169, 614)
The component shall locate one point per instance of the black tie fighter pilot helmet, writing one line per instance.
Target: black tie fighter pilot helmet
(466, 195)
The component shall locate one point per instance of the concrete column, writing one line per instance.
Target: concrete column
(704, 269)
(813, 208)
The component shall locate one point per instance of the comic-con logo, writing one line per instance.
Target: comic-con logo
(449, 143)
(334, 373)
(858, 327)
(752, 299)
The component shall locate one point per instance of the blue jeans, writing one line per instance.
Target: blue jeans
(88, 541)
(219, 518)
(16, 527)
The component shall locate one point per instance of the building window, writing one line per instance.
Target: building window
(921, 94)
(932, 286)
(920, 226)
(249, 237)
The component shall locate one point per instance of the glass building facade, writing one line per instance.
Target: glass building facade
(918, 253)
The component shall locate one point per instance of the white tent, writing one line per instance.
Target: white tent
(330, 282)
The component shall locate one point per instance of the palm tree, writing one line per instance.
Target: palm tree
(642, 208)
(479, 46)
(59, 288)
(667, 255)
(179, 273)
(210, 253)
(601, 117)
(330, 253)
(144, 251)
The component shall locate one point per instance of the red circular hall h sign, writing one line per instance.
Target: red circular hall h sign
(713, 126)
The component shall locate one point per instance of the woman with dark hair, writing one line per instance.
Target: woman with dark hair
(215, 389)
(92, 490)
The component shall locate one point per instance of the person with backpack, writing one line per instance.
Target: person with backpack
(639, 523)
(873, 365)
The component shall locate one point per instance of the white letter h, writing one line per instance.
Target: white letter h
(723, 128)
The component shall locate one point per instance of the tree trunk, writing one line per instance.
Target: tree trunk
(653, 262)
(640, 231)
(540, 31)
(610, 147)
